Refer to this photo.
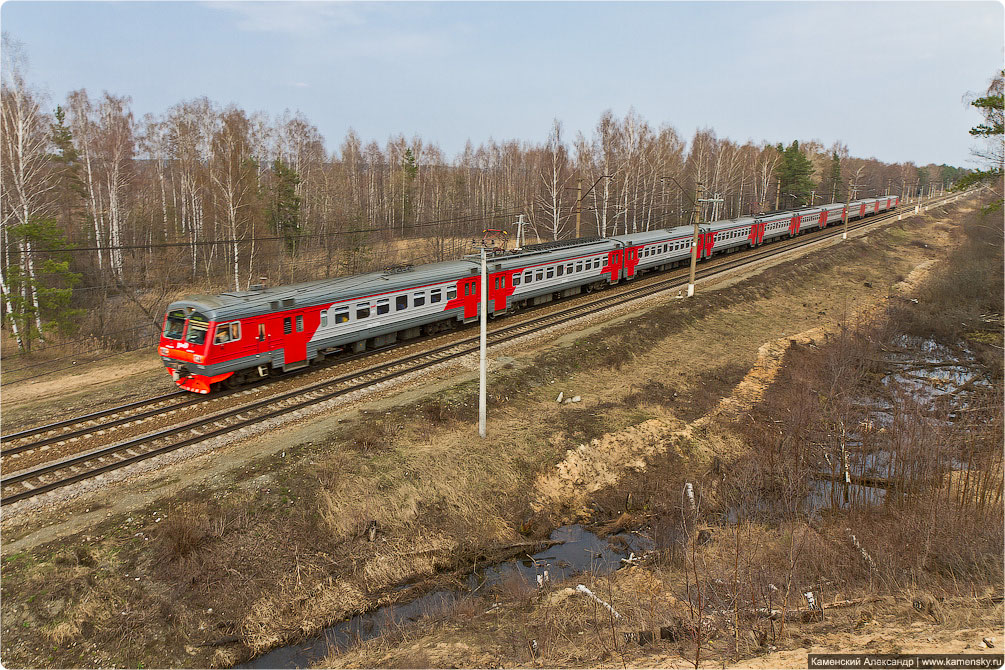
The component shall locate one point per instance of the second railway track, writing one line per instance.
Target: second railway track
(40, 478)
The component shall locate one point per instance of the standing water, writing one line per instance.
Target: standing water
(577, 550)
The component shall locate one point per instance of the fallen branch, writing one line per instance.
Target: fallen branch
(587, 592)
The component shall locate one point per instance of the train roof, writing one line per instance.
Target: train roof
(240, 304)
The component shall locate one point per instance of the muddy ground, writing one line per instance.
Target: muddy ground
(264, 542)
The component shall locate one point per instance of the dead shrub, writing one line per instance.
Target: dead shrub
(183, 531)
(371, 432)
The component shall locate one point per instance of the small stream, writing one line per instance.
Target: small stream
(578, 550)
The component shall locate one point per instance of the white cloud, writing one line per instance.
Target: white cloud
(293, 17)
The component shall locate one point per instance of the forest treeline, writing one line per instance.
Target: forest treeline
(106, 216)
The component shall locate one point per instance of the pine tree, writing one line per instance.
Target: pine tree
(992, 107)
(70, 190)
(834, 177)
(284, 203)
(794, 174)
(51, 283)
(409, 171)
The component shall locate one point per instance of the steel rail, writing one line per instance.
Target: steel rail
(28, 432)
(196, 400)
(498, 336)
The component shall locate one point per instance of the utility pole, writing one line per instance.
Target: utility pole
(844, 233)
(778, 194)
(579, 204)
(483, 348)
(520, 236)
(694, 239)
(580, 195)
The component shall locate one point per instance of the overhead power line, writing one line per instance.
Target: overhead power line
(286, 238)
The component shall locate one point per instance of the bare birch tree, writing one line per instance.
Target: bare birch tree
(554, 177)
(26, 187)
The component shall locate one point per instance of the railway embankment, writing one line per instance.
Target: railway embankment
(335, 516)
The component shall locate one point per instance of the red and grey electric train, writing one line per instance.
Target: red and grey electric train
(234, 337)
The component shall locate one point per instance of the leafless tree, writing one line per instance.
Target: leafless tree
(26, 187)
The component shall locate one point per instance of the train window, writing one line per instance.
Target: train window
(560, 270)
(516, 280)
(419, 299)
(300, 323)
(568, 268)
(261, 332)
(341, 315)
(550, 272)
(451, 293)
(197, 327)
(228, 332)
(324, 318)
(596, 262)
(401, 302)
(499, 282)
(383, 306)
(435, 295)
(579, 266)
(362, 310)
(174, 328)
(528, 276)
(539, 275)
(287, 325)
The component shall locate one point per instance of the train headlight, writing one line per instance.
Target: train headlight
(197, 358)
(164, 351)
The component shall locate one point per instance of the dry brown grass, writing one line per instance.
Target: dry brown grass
(440, 498)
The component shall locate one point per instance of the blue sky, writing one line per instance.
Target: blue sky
(887, 78)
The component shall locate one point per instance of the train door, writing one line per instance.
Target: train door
(631, 260)
(294, 340)
(270, 334)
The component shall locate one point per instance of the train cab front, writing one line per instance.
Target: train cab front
(184, 348)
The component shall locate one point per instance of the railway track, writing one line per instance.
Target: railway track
(50, 476)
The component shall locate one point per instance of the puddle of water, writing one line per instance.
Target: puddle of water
(825, 494)
(939, 370)
(822, 494)
(580, 550)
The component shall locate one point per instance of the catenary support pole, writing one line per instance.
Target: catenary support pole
(482, 348)
(694, 241)
(579, 204)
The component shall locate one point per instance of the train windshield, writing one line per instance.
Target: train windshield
(175, 326)
(197, 327)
